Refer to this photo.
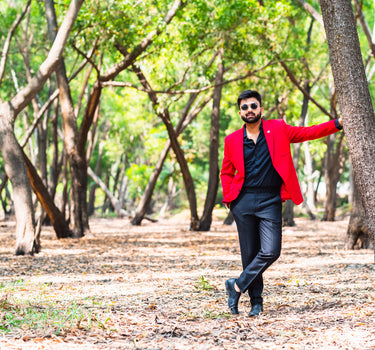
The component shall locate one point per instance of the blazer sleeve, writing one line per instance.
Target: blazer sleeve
(227, 171)
(307, 133)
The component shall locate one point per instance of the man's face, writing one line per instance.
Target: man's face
(250, 110)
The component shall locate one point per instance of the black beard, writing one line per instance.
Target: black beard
(251, 120)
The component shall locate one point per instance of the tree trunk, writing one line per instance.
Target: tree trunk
(114, 201)
(4, 179)
(188, 180)
(229, 219)
(213, 179)
(288, 213)
(78, 215)
(91, 203)
(334, 165)
(56, 164)
(310, 198)
(149, 190)
(57, 219)
(358, 234)
(353, 98)
(16, 171)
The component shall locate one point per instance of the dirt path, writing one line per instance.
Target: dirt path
(160, 286)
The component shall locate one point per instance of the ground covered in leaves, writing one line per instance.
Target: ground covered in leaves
(161, 286)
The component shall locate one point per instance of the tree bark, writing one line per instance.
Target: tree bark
(213, 174)
(16, 171)
(78, 215)
(353, 97)
(358, 234)
(59, 224)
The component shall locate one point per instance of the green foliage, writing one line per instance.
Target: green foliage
(254, 39)
(203, 284)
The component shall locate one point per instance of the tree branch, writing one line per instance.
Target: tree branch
(23, 98)
(187, 91)
(312, 11)
(297, 84)
(365, 27)
(48, 103)
(130, 57)
(4, 54)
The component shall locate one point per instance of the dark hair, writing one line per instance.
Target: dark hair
(247, 94)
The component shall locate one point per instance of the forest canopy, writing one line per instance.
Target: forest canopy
(131, 118)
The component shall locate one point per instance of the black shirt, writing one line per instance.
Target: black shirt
(260, 174)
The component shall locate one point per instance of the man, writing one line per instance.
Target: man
(257, 176)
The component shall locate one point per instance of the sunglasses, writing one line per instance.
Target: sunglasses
(253, 105)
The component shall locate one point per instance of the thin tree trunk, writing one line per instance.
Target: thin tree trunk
(288, 213)
(188, 180)
(310, 198)
(59, 224)
(114, 201)
(213, 177)
(78, 215)
(56, 164)
(149, 190)
(353, 97)
(91, 203)
(334, 165)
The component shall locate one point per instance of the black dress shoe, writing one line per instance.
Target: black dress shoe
(256, 310)
(233, 295)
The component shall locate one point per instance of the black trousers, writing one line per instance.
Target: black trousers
(259, 224)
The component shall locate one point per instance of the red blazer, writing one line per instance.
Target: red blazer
(279, 136)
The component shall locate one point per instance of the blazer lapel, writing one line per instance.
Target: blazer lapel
(239, 153)
(268, 134)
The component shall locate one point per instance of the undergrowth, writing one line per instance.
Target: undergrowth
(40, 312)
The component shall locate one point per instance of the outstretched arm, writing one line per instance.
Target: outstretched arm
(306, 133)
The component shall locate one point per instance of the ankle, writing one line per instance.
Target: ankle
(238, 290)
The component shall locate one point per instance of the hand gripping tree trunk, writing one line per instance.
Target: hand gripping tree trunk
(353, 97)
